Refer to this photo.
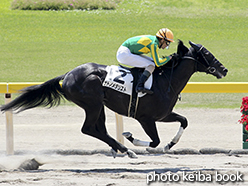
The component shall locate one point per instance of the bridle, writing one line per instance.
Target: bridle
(208, 68)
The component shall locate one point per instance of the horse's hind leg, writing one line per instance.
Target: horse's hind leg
(89, 95)
(94, 125)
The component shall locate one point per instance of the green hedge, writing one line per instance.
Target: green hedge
(63, 4)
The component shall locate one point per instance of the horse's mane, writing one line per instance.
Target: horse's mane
(182, 50)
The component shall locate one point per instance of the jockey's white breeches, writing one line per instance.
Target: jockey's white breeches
(124, 56)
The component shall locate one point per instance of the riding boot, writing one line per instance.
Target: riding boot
(140, 85)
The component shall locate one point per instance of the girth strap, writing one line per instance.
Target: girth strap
(133, 104)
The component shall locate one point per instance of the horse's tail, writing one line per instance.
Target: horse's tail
(48, 94)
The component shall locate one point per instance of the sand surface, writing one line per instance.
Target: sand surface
(54, 139)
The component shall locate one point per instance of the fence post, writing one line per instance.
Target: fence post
(119, 128)
(245, 137)
(9, 128)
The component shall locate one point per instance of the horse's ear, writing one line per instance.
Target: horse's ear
(195, 46)
(181, 49)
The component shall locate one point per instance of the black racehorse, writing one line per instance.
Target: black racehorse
(83, 86)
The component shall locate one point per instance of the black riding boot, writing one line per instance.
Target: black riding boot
(140, 86)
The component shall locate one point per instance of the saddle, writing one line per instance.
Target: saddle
(124, 80)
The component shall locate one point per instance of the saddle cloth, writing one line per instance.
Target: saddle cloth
(121, 80)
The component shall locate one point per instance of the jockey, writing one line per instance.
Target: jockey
(132, 50)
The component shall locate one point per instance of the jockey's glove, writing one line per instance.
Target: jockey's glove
(174, 56)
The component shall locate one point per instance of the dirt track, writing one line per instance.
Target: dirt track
(53, 138)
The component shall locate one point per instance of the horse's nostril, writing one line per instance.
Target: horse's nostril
(225, 70)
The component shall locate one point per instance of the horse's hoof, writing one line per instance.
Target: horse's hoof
(114, 153)
(166, 148)
(131, 154)
(127, 134)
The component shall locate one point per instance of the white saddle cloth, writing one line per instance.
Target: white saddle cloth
(121, 80)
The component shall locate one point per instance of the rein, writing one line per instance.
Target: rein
(172, 68)
(191, 58)
(208, 68)
(169, 78)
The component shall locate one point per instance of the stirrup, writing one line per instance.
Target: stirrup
(144, 90)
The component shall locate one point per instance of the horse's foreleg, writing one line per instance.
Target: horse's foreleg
(174, 140)
(184, 123)
(150, 129)
(134, 141)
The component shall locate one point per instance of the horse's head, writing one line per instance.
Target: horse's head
(206, 62)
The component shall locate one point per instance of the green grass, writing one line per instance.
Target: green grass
(39, 45)
(210, 100)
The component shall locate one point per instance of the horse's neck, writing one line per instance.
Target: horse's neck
(182, 74)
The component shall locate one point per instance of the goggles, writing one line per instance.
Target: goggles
(167, 42)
